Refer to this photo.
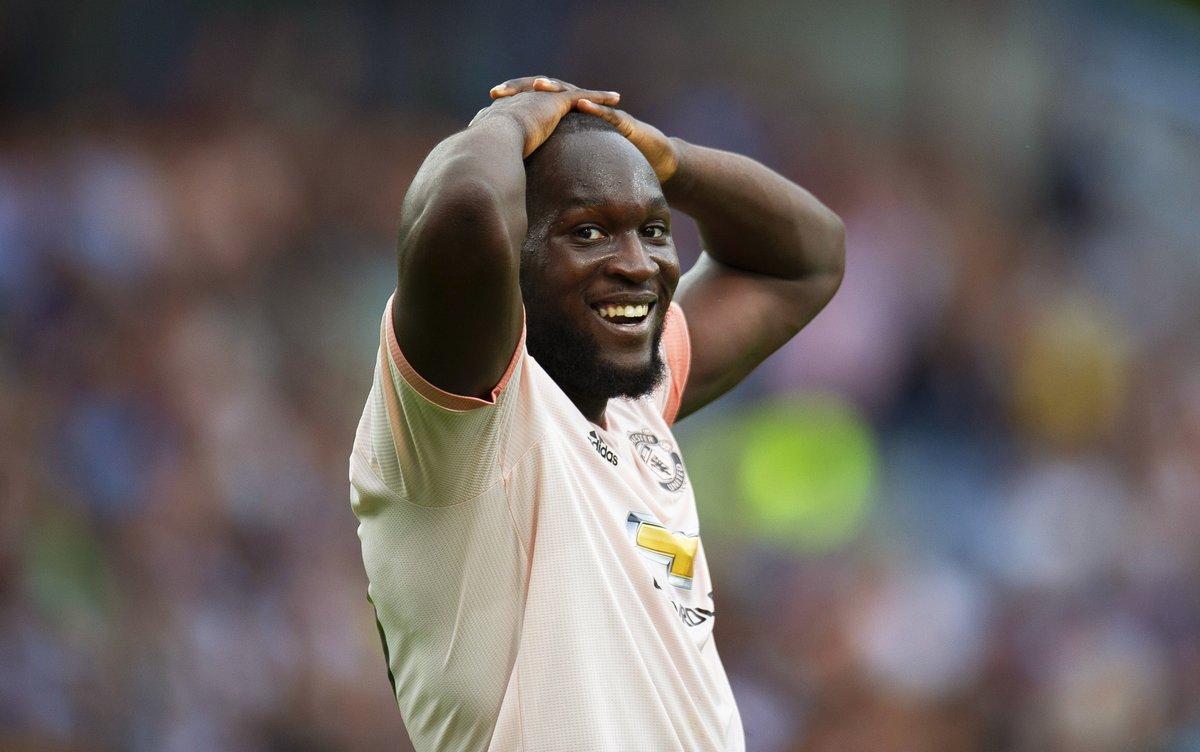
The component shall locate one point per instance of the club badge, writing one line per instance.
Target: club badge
(661, 457)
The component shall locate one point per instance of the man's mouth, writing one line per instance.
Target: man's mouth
(629, 315)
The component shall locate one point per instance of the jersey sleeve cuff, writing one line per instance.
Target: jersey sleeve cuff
(678, 346)
(436, 395)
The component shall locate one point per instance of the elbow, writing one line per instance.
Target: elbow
(836, 243)
(826, 256)
(833, 242)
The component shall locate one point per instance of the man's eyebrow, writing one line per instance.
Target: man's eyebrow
(657, 203)
(574, 202)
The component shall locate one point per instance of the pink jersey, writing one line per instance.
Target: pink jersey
(539, 580)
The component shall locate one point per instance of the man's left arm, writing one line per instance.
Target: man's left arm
(773, 257)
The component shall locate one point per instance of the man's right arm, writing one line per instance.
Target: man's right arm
(457, 312)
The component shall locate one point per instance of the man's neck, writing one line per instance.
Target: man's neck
(593, 408)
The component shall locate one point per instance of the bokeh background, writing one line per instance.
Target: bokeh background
(961, 511)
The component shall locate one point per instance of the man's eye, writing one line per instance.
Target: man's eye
(656, 231)
(589, 233)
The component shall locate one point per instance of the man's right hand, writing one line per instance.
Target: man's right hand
(538, 111)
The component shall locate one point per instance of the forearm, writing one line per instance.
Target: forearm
(753, 218)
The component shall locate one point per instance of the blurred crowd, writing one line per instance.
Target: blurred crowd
(197, 213)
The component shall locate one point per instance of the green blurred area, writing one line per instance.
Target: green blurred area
(796, 472)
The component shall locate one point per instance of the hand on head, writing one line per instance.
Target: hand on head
(660, 151)
(539, 107)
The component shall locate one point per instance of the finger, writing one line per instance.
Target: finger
(540, 83)
(618, 119)
(606, 97)
(609, 98)
(547, 84)
(525, 83)
(508, 88)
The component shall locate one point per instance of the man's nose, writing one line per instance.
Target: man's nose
(631, 259)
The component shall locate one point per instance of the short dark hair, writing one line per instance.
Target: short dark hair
(574, 122)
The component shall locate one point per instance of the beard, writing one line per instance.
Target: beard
(573, 358)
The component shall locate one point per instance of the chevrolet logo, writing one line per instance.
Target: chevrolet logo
(674, 550)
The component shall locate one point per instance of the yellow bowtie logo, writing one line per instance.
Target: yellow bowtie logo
(675, 550)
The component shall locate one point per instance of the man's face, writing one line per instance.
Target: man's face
(598, 242)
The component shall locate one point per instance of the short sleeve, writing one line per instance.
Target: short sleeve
(677, 352)
(426, 445)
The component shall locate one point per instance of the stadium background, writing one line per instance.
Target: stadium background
(959, 512)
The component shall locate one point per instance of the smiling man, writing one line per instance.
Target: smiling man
(527, 523)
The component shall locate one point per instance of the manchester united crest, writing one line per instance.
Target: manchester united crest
(661, 457)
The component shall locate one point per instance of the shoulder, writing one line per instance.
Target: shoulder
(433, 447)
(677, 355)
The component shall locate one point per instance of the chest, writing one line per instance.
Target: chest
(631, 489)
(635, 465)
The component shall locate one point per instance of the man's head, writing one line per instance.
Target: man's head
(598, 248)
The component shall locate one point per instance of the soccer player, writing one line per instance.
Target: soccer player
(527, 523)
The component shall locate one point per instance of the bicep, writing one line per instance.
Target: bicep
(736, 319)
(457, 312)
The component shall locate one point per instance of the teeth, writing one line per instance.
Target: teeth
(627, 311)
